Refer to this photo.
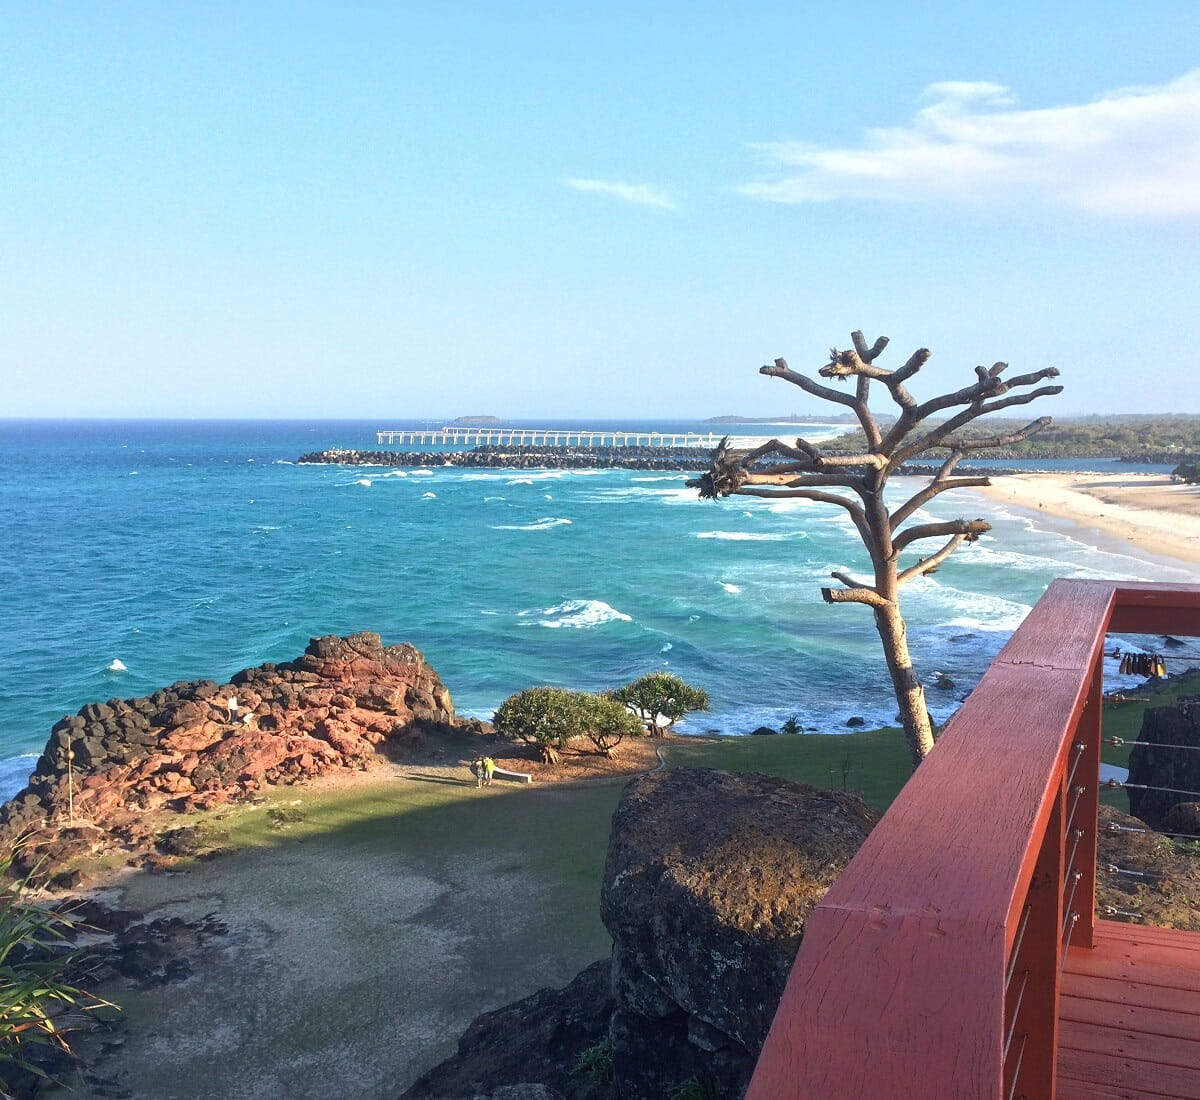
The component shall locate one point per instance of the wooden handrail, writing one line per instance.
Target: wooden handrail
(902, 985)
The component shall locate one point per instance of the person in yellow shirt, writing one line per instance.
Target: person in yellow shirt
(489, 769)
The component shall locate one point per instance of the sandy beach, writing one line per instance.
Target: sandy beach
(1146, 513)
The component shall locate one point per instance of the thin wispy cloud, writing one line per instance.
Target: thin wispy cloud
(635, 193)
(1132, 152)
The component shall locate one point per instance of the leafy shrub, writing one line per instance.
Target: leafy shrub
(661, 695)
(609, 722)
(34, 993)
(546, 716)
(595, 1063)
(791, 725)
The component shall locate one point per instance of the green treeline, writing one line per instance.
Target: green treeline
(1165, 438)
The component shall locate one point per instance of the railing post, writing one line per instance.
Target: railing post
(1087, 790)
(1031, 992)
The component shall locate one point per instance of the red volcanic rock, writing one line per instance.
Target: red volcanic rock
(185, 747)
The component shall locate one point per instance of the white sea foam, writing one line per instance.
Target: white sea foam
(548, 496)
(429, 496)
(742, 536)
(116, 665)
(363, 481)
(520, 481)
(661, 477)
(666, 647)
(543, 524)
(579, 614)
(14, 773)
(732, 589)
(422, 472)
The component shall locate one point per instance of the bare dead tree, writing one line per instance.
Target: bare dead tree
(778, 469)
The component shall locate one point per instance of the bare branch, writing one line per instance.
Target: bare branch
(854, 595)
(857, 513)
(970, 529)
(929, 564)
(989, 385)
(782, 370)
(801, 479)
(848, 580)
(933, 489)
(1005, 440)
(868, 355)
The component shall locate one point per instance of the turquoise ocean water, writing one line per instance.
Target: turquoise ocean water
(190, 549)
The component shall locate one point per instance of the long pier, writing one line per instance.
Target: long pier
(544, 437)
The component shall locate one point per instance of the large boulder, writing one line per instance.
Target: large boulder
(335, 708)
(1166, 760)
(709, 880)
(535, 1043)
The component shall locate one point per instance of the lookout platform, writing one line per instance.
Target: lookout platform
(959, 955)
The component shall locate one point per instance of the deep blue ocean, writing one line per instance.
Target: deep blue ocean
(139, 553)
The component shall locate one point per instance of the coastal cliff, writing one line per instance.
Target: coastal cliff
(198, 744)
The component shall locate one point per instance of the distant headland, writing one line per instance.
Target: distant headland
(476, 421)
(794, 418)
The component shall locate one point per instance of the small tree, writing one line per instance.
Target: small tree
(661, 695)
(778, 469)
(609, 722)
(546, 716)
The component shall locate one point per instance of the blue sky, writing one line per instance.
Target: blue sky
(605, 210)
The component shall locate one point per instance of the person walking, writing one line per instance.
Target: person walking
(489, 769)
(477, 770)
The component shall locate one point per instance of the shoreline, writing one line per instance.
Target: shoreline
(1146, 516)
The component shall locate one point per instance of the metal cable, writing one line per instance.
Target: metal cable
(1145, 787)
(1148, 744)
(1016, 950)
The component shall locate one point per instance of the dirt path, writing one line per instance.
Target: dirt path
(362, 941)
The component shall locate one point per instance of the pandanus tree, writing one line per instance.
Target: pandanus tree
(857, 483)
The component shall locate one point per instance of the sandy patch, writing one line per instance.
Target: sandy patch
(357, 955)
(1145, 512)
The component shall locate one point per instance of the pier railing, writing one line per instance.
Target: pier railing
(543, 437)
(932, 967)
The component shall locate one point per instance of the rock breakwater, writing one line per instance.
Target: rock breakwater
(554, 458)
(198, 744)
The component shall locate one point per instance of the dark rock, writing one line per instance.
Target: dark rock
(709, 879)
(1156, 762)
(178, 749)
(1164, 896)
(536, 1041)
(763, 731)
(856, 721)
(943, 682)
(1183, 817)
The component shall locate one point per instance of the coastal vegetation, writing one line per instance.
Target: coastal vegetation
(660, 699)
(1164, 438)
(36, 993)
(553, 717)
(804, 471)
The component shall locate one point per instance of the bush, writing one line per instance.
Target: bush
(661, 695)
(546, 716)
(553, 717)
(609, 722)
(34, 994)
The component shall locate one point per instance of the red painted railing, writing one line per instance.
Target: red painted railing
(931, 968)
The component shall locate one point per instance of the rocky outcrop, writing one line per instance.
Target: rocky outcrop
(1166, 759)
(534, 1043)
(1165, 878)
(184, 747)
(709, 880)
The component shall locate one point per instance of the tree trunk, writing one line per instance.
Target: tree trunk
(910, 695)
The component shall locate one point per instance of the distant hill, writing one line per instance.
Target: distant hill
(475, 421)
(795, 418)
